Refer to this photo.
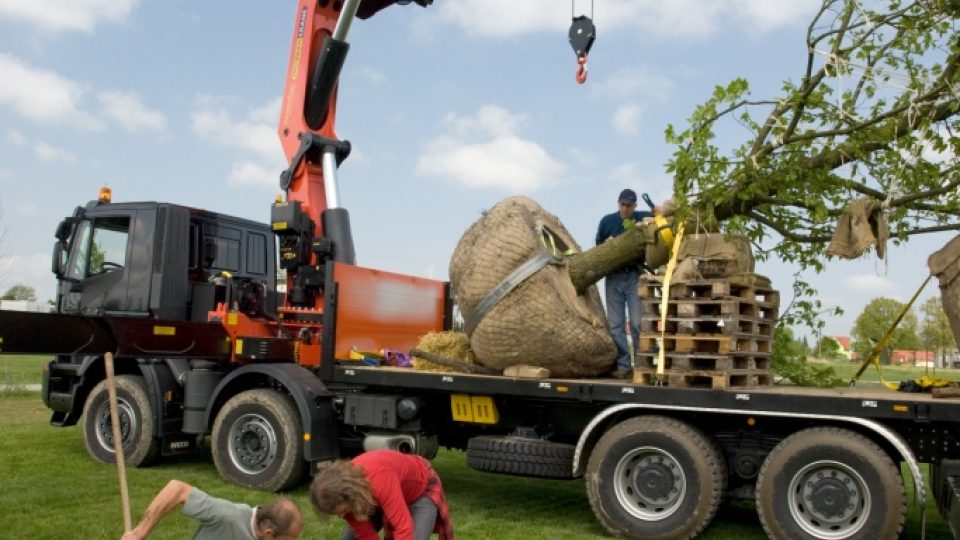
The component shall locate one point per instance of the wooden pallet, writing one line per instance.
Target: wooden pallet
(703, 343)
(647, 361)
(652, 287)
(708, 325)
(730, 307)
(705, 378)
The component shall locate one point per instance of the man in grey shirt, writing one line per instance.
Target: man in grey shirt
(221, 519)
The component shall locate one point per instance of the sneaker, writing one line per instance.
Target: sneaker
(622, 373)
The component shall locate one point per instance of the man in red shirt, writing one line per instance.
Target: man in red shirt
(400, 493)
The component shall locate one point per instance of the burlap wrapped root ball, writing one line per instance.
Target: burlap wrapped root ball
(541, 322)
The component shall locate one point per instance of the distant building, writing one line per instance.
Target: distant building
(23, 305)
(900, 357)
(844, 342)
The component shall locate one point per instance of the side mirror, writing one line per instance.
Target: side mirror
(59, 258)
(63, 230)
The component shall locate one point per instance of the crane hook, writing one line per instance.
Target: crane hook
(582, 34)
(582, 70)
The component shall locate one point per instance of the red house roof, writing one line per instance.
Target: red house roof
(844, 342)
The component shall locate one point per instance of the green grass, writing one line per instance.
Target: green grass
(51, 489)
(17, 371)
(846, 371)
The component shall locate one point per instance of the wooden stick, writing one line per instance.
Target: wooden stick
(117, 441)
(455, 364)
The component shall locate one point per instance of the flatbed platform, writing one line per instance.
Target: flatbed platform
(861, 401)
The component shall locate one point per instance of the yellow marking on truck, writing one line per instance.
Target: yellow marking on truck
(238, 348)
(280, 225)
(164, 330)
(562, 389)
(901, 408)
(460, 407)
(232, 318)
(484, 410)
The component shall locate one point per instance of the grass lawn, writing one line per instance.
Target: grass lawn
(53, 490)
(16, 371)
(846, 371)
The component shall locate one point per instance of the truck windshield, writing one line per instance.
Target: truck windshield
(98, 247)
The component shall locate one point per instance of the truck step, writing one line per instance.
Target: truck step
(705, 378)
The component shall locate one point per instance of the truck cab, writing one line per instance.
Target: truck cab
(160, 260)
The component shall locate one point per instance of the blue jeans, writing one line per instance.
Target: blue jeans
(621, 296)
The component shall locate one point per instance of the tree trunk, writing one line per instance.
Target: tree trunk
(588, 267)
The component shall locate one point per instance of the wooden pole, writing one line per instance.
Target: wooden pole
(117, 441)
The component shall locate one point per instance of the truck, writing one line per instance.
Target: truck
(207, 345)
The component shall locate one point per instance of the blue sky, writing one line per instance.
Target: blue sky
(449, 109)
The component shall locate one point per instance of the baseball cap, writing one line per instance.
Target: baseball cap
(628, 196)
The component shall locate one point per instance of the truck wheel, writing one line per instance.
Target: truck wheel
(257, 441)
(830, 483)
(140, 447)
(655, 477)
(520, 456)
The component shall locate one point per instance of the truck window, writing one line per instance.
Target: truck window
(77, 262)
(108, 248)
(224, 244)
(256, 254)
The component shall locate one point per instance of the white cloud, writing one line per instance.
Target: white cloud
(15, 138)
(128, 110)
(254, 134)
(42, 95)
(676, 19)
(484, 151)
(252, 173)
(45, 152)
(31, 269)
(80, 15)
(870, 283)
(27, 210)
(626, 119)
(371, 75)
(636, 81)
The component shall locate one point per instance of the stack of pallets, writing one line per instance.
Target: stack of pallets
(718, 332)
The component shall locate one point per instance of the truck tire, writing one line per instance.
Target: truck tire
(655, 477)
(830, 483)
(257, 441)
(520, 456)
(137, 418)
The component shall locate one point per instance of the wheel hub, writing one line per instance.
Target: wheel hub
(105, 425)
(650, 483)
(829, 500)
(253, 443)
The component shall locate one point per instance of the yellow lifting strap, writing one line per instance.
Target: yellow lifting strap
(874, 356)
(665, 295)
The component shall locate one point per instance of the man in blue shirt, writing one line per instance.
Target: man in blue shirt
(621, 286)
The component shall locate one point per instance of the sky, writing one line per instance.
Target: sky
(449, 109)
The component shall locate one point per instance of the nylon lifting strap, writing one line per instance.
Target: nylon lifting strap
(507, 284)
(874, 356)
(665, 296)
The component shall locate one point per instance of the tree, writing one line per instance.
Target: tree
(20, 292)
(789, 360)
(935, 332)
(872, 113)
(829, 348)
(877, 317)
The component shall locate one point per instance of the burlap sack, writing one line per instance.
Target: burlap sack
(861, 225)
(945, 264)
(718, 254)
(542, 321)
